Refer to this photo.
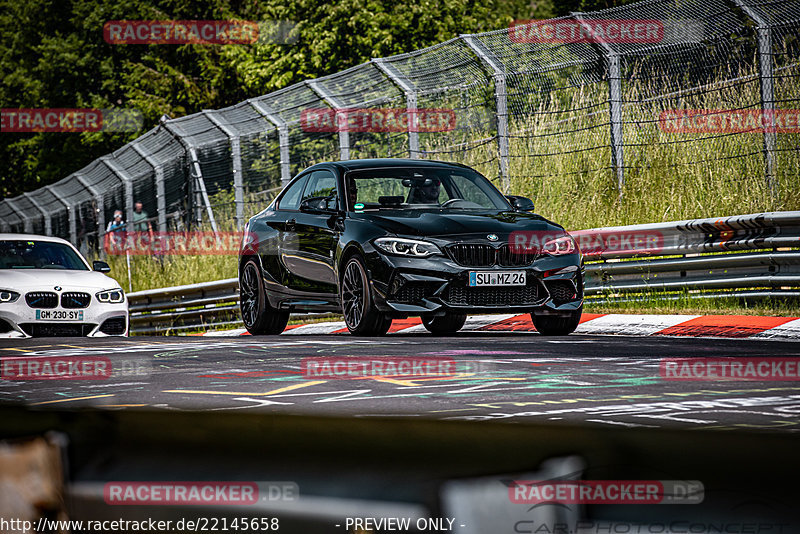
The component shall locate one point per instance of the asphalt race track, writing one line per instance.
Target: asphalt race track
(589, 380)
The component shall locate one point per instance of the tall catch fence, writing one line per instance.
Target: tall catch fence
(533, 105)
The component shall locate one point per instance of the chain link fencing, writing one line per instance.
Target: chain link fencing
(534, 106)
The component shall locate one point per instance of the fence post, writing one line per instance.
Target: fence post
(201, 185)
(501, 96)
(615, 104)
(26, 222)
(114, 166)
(236, 156)
(4, 224)
(283, 136)
(48, 225)
(197, 174)
(766, 75)
(70, 214)
(101, 210)
(397, 78)
(161, 193)
(333, 102)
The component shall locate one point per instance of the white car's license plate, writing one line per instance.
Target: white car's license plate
(496, 278)
(59, 315)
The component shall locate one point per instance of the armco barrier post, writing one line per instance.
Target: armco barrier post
(283, 136)
(197, 176)
(344, 134)
(22, 215)
(113, 165)
(161, 194)
(236, 155)
(101, 210)
(615, 104)
(48, 225)
(407, 87)
(73, 223)
(501, 97)
(766, 75)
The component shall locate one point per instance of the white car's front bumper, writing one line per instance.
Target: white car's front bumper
(19, 320)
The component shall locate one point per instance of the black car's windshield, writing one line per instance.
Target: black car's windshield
(39, 255)
(421, 188)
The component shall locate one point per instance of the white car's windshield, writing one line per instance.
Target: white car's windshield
(421, 188)
(39, 255)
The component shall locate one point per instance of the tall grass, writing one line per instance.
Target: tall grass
(562, 159)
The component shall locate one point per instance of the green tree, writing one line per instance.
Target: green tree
(53, 55)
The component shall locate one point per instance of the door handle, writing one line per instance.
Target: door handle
(290, 224)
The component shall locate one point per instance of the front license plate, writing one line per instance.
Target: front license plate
(496, 278)
(59, 315)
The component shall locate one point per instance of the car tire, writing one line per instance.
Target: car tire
(444, 324)
(358, 308)
(554, 325)
(258, 316)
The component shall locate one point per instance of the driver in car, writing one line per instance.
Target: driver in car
(427, 192)
(352, 192)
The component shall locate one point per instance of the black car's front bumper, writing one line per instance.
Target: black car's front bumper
(437, 285)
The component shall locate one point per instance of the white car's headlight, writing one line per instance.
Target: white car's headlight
(113, 296)
(406, 247)
(8, 296)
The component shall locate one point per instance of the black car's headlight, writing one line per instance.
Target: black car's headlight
(112, 296)
(8, 296)
(560, 246)
(397, 246)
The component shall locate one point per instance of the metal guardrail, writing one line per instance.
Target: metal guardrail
(694, 259)
(189, 307)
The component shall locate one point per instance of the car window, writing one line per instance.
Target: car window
(321, 184)
(370, 190)
(290, 200)
(39, 255)
(422, 188)
(470, 189)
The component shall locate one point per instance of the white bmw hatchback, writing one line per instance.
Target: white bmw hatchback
(48, 289)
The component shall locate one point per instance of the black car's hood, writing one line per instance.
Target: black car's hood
(451, 223)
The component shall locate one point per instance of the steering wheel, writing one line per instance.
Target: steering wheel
(452, 201)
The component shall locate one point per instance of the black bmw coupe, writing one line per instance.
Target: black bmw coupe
(380, 239)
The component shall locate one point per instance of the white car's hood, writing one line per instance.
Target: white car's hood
(47, 279)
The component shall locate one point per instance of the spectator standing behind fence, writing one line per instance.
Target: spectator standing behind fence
(140, 219)
(142, 224)
(115, 227)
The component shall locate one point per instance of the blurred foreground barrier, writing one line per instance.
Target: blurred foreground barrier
(743, 256)
(380, 472)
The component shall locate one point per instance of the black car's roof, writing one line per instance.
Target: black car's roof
(355, 164)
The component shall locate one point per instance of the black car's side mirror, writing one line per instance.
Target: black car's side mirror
(520, 203)
(321, 205)
(100, 266)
